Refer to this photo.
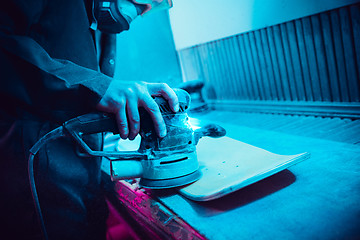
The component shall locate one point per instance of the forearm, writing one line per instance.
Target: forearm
(32, 79)
(35, 79)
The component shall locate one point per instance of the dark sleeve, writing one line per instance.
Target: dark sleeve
(31, 77)
(107, 53)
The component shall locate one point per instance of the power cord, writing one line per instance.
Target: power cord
(54, 134)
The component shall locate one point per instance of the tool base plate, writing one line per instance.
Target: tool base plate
(170, 183)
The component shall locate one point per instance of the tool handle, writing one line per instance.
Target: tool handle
(96, 123)
(92, 123)
(209, 130)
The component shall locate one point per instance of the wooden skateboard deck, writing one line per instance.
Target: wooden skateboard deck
(228, 165)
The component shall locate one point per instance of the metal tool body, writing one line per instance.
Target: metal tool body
(160, 162)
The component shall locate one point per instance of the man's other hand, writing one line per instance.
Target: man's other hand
(124, 99)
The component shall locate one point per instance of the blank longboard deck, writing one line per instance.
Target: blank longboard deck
(228, 165)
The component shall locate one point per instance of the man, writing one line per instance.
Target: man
(49, 74)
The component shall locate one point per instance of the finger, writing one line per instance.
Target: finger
(153, 109)
(168, 93)
(122, 122)
(133, 118)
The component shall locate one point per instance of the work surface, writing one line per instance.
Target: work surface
(318, 198)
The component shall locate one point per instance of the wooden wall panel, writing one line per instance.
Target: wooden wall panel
(312, 59)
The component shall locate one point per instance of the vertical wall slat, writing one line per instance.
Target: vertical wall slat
(256, 63)
(275, 63)
(225, 89)
(214, 67)
(204, 56)
(218, 86)
(211, 93)
(261, 79)
(225, 84)
(282, 62)
(355, 22)
(330, 56)
(199, 63)
(213, 80)
(303, 60)
(294, 51)
(321, 58)
(227, 70)
(251, 67)
(339, 56)
(235, 70)
(268, 65)
(263, 68)
(220, 77)
(349, 54)
(245, 64)
(239, 74)
(310, 50)
(288, 62)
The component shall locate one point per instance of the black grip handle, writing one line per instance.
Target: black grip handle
(90, 123)
(95, 123)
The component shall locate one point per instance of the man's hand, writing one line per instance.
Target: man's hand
(124, 99)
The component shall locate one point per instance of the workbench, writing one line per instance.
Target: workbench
(318, 198)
